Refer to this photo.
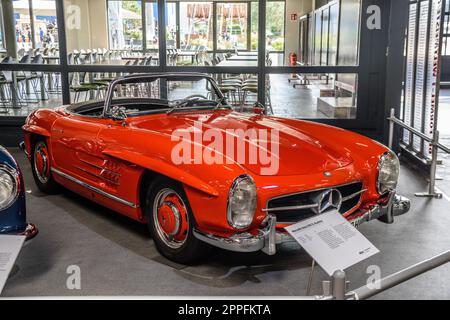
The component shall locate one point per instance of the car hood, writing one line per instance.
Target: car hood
(299, 152)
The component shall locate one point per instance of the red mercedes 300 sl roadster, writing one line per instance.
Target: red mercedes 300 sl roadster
(169, 151)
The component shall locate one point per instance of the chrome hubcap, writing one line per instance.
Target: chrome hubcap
(170, 217)
(41, 162)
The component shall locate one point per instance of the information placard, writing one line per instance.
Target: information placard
(332, 241)
(9, 250)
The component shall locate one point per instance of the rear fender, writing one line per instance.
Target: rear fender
(39, 123)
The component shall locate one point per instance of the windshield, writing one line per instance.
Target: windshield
(169, 93)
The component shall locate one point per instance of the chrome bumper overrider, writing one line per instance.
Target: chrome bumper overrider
(22, 147)
(268, 237)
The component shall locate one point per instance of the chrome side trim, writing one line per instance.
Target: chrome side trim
(95, 189)
(98, 176)
(100, 167)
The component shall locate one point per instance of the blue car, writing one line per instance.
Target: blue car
(12, 199)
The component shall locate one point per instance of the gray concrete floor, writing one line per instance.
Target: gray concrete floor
(117, 255)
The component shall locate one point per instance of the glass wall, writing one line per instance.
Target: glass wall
(205, 33)
(126, 35)
(23, 91)
(125, 25)
(36, 30)
(22, 19)
(45, 24)
(232, 26)
(312, 96)
(214, 35)
(151, 27)
(327, 33)
(2, 33)
(350, 12)
(275, 20)
(196, 26)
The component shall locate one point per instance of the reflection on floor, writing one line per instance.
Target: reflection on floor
(24, 109)
(290, 102)
(117, 256)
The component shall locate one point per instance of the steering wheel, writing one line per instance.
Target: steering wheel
(196, 96)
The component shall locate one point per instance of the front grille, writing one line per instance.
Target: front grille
(300, 206)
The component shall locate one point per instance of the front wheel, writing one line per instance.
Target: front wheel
(41, 168)
(171, 222)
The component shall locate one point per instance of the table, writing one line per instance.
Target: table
(245, 63)
(247, 53)
(51, 59)
(188, 53)
(134, 57)
(111, 62)
(242, 58)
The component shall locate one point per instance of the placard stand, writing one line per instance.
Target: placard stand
(311, 277)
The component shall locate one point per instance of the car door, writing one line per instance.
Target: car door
(75, 148)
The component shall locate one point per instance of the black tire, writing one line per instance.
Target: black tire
(187, 251)
(44, 181)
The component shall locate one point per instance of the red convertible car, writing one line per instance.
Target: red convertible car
(151, 150)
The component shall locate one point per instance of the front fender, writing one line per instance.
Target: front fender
(164, 168)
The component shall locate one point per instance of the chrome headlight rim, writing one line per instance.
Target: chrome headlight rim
(235, 183)
(15, 176)
(380, 164)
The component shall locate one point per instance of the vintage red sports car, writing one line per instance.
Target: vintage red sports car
(120, 152)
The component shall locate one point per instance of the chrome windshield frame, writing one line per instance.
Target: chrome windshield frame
(149, 77)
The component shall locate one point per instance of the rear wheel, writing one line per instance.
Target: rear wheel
(41, 167)
(171, 222)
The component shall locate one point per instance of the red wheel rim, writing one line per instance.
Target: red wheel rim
(171, 218)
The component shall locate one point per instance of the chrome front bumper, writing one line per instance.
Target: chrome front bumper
(268, 237)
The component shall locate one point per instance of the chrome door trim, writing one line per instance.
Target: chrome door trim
(95, 189)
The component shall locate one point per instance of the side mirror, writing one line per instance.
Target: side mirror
(118, 113)
(259, 108)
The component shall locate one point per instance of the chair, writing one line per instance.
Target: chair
(40, 77)
(20, 53)
(26, 80)
(9, 94)
(84, 87)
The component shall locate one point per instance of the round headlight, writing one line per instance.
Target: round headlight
(388, 172)
(241, 202)
(8, 186)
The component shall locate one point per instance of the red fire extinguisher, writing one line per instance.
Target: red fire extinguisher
(293, 58)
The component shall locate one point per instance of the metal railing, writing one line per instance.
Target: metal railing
(336, 289)
(435, 146)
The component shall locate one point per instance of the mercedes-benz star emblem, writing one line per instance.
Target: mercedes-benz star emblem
(328, 200)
